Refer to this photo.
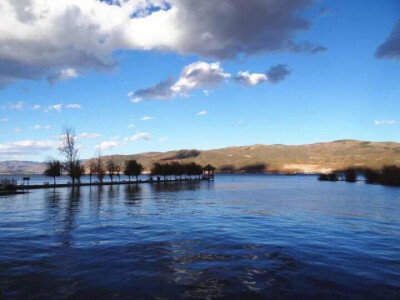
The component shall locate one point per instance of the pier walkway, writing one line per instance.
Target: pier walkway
(64, 185)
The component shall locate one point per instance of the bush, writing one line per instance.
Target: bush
(350, 175)
(371, 176)
(328, 177)
(323, 177)
(390, 176)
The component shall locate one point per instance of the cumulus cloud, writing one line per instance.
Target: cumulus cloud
(59, 39)
(195, 76)
(273, 75)
(202, 113)
(4, 120)
(36, 107)
(25, 147)
(247, 79)
(147, 118)
(107, 145)
(62, 75)
(139, 136)
(198, 75)
(384, 122)
(391, 46)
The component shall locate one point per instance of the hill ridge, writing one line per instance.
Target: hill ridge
(306, 158)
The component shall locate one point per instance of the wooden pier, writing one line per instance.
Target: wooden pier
(65, 185)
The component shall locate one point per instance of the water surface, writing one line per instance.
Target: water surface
(249, 236)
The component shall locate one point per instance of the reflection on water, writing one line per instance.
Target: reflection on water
(243, 236)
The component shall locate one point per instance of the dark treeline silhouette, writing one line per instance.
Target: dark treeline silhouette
(176, 169)
(133, 168)
(371, 176)
(350, 175)
(388, 175)
(97, 166)
(328, 177)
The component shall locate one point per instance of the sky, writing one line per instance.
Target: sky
(157, 75)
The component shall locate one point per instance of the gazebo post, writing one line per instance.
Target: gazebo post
(208, 172)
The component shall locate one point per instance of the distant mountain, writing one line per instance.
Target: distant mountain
(21, 167)
(312, 158)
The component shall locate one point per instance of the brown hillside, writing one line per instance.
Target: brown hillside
(313, 158)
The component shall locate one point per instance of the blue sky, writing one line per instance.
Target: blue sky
(343, 92)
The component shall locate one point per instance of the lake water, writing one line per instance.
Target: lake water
(242, 236)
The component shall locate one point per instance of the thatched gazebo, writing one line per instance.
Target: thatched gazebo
(208, 172)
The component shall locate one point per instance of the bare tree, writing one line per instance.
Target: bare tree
(101, 172)
(92, 169)
(68, 149)
(111, 168)
(118, 172)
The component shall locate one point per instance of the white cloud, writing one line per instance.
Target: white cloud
(147, 118)
(18, 130)
(202, 113)
(139, 136)
(4, 120)
(248, 79)
(136, 100)
(107, 145)
(57, 39)
(384, 122)
(199, 74)
(85, 135)
(130, 126)
(57, 107)
(274, 75)
(26, 147)
(37, 127)
(195, 76)
(73, 106)
(36, 107)
(62, 75)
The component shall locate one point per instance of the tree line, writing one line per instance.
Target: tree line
(73, 167)
(177, 169)
(388, 175)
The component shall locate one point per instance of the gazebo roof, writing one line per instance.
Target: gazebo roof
(209, 168)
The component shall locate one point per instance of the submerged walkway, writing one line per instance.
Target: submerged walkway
(63, 185)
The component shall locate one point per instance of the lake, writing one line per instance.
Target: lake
(242, 236)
